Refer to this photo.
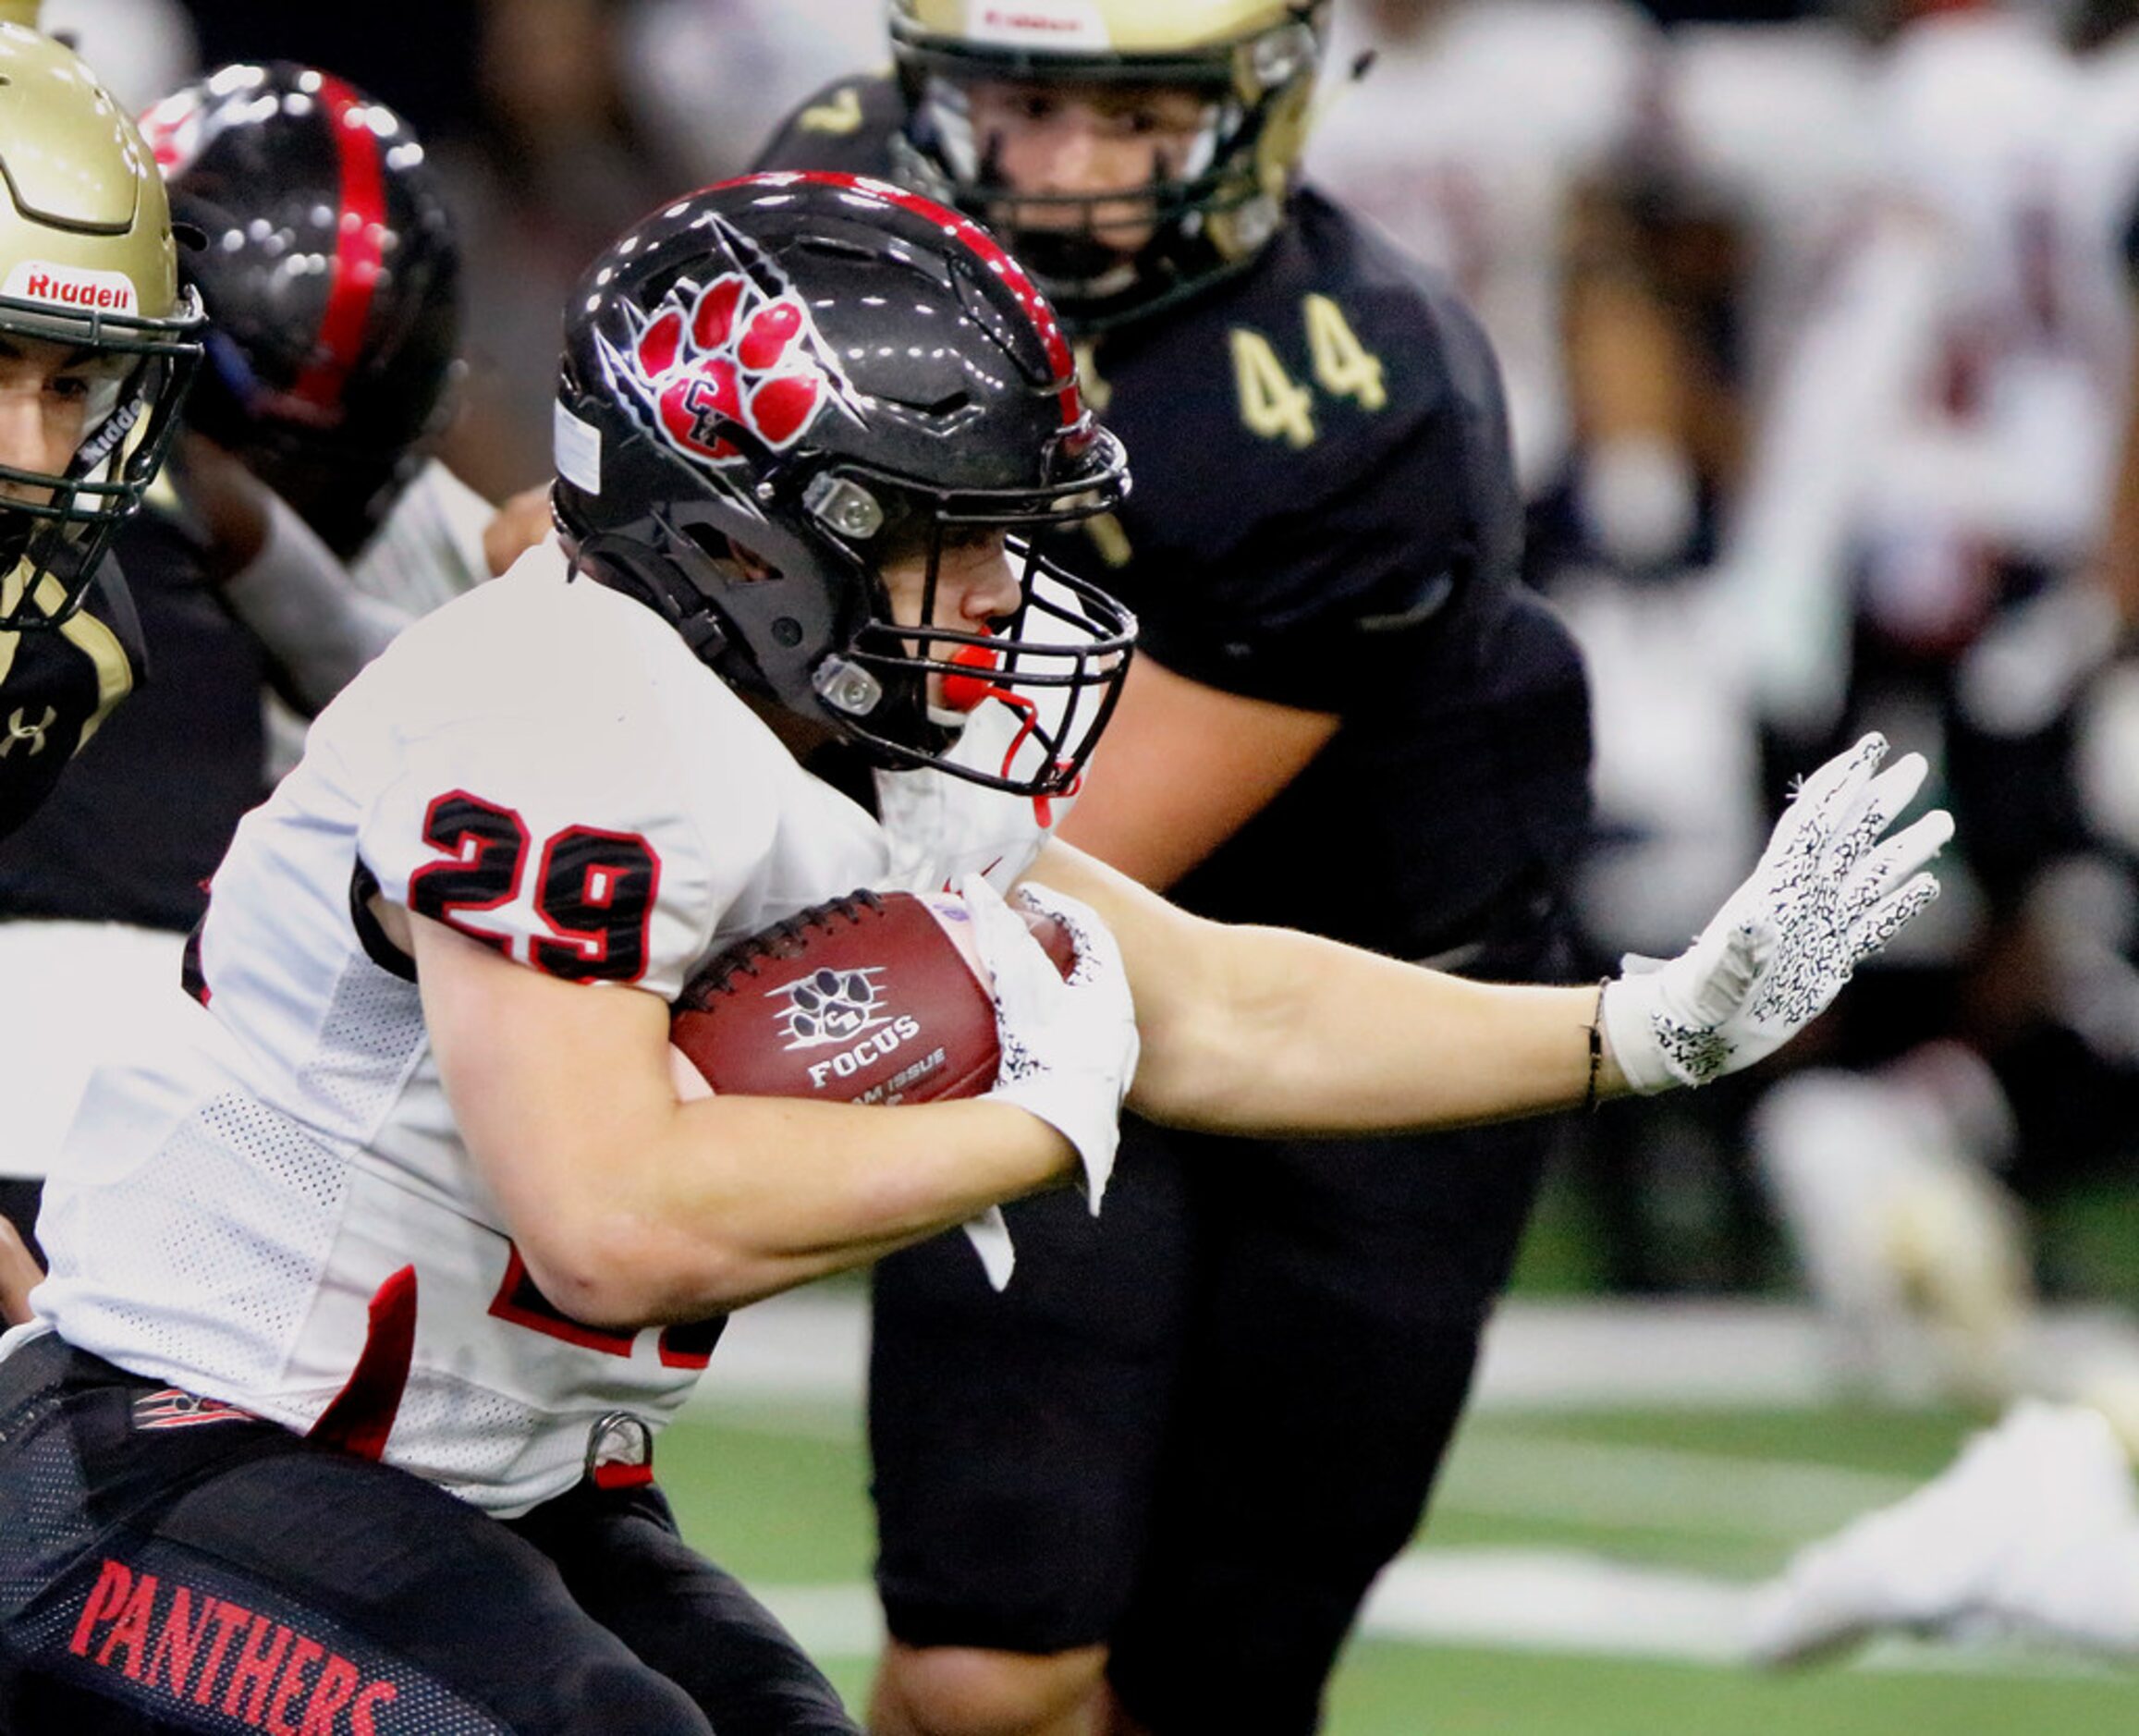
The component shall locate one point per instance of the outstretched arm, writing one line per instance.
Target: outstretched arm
(1263, 1031)
(1255, 1030)
(632, 1208)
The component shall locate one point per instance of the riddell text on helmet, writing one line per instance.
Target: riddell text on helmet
(95, 291)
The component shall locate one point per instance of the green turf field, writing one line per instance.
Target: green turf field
(1579, 1582)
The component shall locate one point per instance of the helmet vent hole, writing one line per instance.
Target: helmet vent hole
(946, 406)
(835, 247)
(708, 539)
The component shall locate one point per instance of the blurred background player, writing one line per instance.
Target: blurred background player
(139, 49)
(96, 343)
(306, 447)
(1348, 716)
(2034, 1531)
(1942, 377)
(1500, 143)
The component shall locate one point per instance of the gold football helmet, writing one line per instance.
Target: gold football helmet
(1252, 62)
(92, 320)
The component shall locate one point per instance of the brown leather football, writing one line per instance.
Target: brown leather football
(874, 997)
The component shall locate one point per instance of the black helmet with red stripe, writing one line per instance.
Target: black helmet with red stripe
(330, 278)
(778, 385)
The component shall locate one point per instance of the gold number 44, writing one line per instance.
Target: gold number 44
(1275, 406)
(1343, 366)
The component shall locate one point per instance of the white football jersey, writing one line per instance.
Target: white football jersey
(2009, 437)
(1466, 142)
(1772, 123)
(429, 548)
(1954, 393)
(543, 764)
(427, 551)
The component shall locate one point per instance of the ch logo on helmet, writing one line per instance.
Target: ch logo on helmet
(734, 358)
(34, 733)
(829, 1007)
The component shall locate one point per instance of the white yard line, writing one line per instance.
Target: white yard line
(1547, 1600)
(1656, 1489)
(1555, 1601)
(798, 1362)
(1523, 1600)
(1577, 1354)
(815, 1343)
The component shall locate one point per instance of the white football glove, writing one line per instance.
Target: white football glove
(1070, 1047)
(1826, 893)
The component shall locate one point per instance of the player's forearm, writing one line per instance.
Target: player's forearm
(1252, 1030)
(1306, 1035)
(743, 1197)
(300, 601)
(631, 1208)
(20, 1273)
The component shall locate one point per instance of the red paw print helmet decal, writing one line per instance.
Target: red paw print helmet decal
(733, 358)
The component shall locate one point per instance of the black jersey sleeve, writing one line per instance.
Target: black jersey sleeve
(1324, 490)
(846, 127)
(125, 837)
(57, 685)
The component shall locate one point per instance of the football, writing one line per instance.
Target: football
(874, 997)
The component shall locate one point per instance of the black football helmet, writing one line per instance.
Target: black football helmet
(330, 275)
(1252, 63)
(87, 274)
(827, 373)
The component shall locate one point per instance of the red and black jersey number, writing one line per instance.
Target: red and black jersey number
(594, 890)
(520, 1301)
(596, 894)
(486, 847)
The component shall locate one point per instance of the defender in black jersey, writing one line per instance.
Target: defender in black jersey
(1170, 1458)
(96, 345)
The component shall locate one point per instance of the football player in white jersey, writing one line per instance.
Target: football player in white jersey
(371, 1287)
(1948, 405)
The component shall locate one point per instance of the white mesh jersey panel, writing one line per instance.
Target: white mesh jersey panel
(226, 1209)
(373, 1029)
(259, 1197)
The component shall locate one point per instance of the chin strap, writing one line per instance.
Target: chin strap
(965, 692)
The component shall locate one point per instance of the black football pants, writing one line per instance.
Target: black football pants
(169, 1566)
